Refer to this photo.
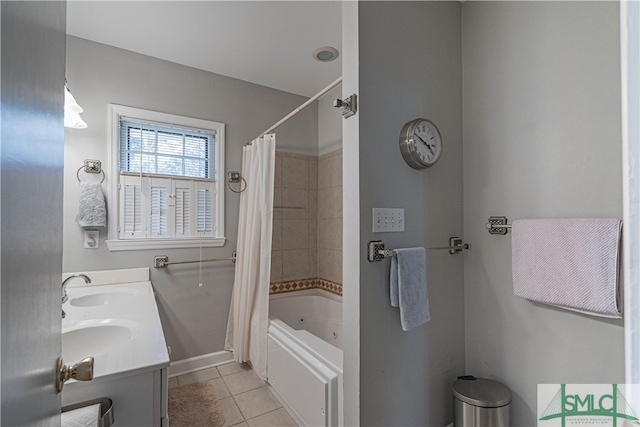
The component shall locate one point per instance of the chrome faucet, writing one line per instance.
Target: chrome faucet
(65, 298)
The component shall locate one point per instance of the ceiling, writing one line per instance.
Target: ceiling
(270, 43)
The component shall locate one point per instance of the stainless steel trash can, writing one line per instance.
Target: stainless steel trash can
(479, 402)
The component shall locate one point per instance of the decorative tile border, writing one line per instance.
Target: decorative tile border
(299, 285)
(292, 285)
(334, 288)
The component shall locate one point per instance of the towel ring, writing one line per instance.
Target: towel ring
(242, 188)
(83, 167)
(235, 177)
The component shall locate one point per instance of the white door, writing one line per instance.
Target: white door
(32, 143)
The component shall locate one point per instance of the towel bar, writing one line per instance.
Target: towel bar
(377, 252)
(162, 261)
(497, 225)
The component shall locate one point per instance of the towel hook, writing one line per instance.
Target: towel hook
(91, 166)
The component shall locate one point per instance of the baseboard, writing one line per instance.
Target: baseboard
(197, 363)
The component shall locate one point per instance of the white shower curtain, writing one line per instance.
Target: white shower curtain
(249, 311)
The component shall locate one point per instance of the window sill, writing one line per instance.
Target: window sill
(138, 245)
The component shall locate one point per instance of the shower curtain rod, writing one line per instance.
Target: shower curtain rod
(303, 106)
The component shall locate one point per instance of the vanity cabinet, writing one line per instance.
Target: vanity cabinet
(138, 400)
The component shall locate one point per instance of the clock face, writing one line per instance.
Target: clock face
(420, 143)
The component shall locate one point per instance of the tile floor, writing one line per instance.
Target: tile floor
(243, 397)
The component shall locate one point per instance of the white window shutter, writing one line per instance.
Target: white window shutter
(204, 215)
(132, 225)
(183, 218)
(159, 190)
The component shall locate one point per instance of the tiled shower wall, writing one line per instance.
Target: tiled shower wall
(330, 216)
(307, 222)
(294, 254)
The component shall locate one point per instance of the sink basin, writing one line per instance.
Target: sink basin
(93, 340)
(104, 298)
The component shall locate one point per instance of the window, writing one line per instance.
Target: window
(167, 190)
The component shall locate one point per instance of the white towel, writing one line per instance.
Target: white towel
(408, 286)
(93, 211)
(86, 416)
(570, 263)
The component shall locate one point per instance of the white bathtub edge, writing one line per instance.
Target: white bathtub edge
(307, 292)
(329, 354)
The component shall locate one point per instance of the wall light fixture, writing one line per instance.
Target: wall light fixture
(72, 111)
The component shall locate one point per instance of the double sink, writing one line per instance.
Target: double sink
(117, 324)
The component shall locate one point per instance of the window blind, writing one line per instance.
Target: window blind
(152, 148)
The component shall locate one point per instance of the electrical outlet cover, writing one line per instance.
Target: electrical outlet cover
(91, 239)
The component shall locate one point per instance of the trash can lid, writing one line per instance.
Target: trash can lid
(481, 392)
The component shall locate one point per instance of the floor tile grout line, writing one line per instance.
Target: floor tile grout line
(248, 390)
(226, 385)
(259, 415)
(223, 385)
(262, 415)
(239, 410)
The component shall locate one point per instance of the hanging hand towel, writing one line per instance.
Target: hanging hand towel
(408, 286)
(93, 212)
(570, 263)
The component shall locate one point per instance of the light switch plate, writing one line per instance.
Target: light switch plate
(388, 220)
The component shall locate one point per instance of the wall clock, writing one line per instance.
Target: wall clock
(420, 143)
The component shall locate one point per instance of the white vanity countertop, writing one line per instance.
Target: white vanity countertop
(130, 305)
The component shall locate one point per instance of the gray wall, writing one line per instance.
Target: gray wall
(541, 140)
(194, 318)
(33, 48)
(410, 66)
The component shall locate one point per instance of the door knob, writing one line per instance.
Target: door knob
(80, 371)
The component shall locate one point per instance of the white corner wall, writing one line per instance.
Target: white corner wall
(351, 222)
(542, 139)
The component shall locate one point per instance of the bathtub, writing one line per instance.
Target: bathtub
(304, 365)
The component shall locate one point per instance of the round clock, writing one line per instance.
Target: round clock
(420, 143)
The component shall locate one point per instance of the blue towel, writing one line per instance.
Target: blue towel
(408, 286)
